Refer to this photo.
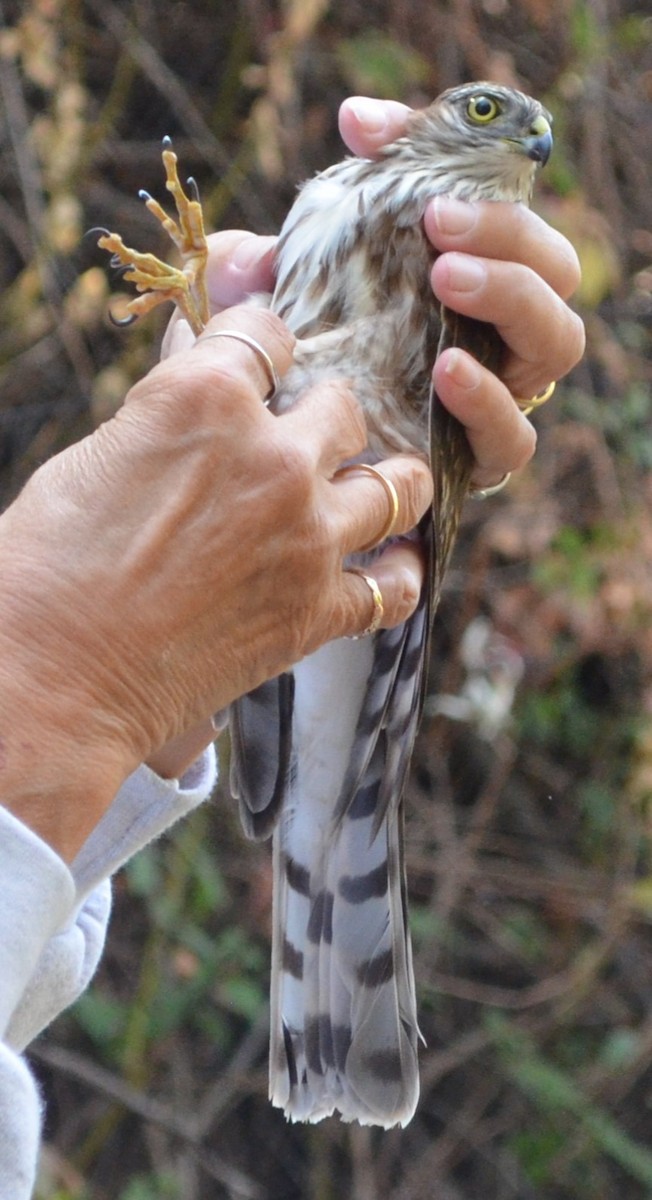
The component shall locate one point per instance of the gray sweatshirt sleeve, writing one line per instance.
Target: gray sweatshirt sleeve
(53, 921)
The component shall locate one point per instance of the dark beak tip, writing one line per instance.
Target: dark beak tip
(541, 149)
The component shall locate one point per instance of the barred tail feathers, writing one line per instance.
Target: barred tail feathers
(344, 1027)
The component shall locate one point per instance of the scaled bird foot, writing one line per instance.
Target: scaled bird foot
(185, 286)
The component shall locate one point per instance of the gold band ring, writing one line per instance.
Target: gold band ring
(239, 336)
(528, 406)
(390, 492)
(379, 607)
(485, 493)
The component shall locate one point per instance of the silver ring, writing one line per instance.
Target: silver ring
(485, 493)
(258, 349)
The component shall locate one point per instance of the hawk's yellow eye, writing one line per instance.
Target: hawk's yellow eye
(483, 109)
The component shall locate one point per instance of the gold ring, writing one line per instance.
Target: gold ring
(528, 406)
(262, 354)
(485, 493)
(390, 492)
(379, 607)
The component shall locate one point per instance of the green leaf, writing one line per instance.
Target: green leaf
(243, 996)
(152, 1187)
(553, 1091)
(536, 1151)
(101, 1017)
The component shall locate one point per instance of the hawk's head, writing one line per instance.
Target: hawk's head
(488, 139)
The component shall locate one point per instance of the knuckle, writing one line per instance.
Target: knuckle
(178, 389)
(399, 574)
(267, 328)
(525, 446)
(294, 469)
(514, 221)
(208, 391)
(354, 417)
(578, 339)
(297, 470)
(224, 379)
(569, 342)
(404, 598)
(570, 270)
(556, 257)
(508, 231)
(419, 489)
(346, 412)
(302, 636)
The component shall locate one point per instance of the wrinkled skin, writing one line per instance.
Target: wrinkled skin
(193, 545)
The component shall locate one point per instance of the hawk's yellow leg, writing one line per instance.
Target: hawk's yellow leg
(158, 281)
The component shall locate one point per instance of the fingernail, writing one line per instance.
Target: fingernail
(250, 251)
(462, 369)
(453, 217)
(228, 283)
(370, 113)
(465, 274)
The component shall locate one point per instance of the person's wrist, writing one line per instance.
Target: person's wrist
(176, 756)
(57, 783)
(63, 755)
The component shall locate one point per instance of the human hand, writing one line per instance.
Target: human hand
(189, 549)
(526, 273)
(497, 263)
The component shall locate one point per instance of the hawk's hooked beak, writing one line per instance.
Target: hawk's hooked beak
(538, 144)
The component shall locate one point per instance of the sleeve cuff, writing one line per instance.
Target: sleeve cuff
(37, 895)
(144, 808)
(53, 918)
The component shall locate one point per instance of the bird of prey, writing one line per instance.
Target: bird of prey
(320, 755)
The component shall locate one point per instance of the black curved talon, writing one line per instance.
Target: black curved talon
(121, 322)
(156, 280)
(116, 264)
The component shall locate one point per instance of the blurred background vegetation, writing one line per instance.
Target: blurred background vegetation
(529, 804)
